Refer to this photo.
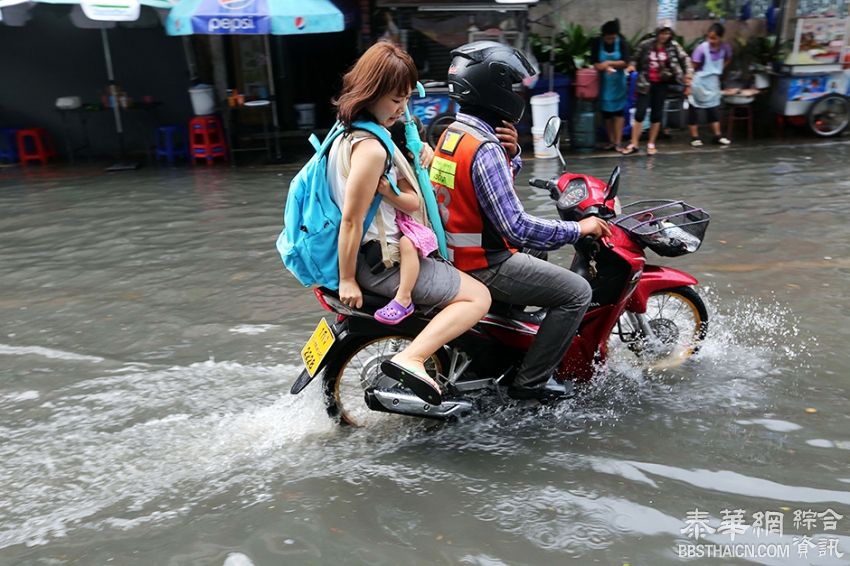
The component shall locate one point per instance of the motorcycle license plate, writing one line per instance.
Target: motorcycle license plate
(317, 347)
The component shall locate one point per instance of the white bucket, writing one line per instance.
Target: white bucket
(762, 80)
(203, 101)
(543, 107)
(540, 149)
(306, 118)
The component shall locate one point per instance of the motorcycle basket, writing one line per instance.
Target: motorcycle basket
(670, 228)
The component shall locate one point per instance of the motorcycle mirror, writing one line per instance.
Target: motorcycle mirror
(613, 184)
(551, 135)
(550, 132)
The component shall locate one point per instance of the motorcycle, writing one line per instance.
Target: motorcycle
(652, 312)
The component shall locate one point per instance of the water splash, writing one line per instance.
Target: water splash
(146, 446)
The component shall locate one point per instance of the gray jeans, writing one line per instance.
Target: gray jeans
(527, 280)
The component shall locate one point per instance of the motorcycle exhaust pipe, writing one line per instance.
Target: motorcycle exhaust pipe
(403, 403)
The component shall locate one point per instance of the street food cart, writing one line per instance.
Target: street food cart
(814, 80)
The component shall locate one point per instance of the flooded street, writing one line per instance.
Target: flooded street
(149, 336)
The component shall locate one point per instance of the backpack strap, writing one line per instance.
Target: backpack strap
(373, 210)
(384, 137)
(325, 146)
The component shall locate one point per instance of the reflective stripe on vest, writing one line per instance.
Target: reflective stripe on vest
(463, 240)
(470, 237)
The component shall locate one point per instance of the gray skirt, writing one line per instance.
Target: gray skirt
(438, 283)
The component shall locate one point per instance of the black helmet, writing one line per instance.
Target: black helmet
(483, 75)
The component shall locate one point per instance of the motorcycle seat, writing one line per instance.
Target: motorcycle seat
(371, 301)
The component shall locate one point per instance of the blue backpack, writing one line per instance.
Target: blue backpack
(311, 220)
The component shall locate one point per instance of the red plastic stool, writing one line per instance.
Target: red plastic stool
(34, 144)
(206, 139)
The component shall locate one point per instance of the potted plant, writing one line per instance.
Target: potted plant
(752, 58)
(568, 50)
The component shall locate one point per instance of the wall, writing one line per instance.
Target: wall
(692, 29)
(49, 57)
(635, 15)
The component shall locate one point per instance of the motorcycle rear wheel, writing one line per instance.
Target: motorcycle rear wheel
(678, 319)
(357, 368)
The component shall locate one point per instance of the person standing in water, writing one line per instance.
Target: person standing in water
(609, 54)
(710, 58)
(660, 62)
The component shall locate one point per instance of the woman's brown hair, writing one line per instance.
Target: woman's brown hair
(383, 69)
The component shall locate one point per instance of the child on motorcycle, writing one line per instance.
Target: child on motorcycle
(416, 240)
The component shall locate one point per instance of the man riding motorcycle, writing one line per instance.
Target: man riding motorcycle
(485, 222)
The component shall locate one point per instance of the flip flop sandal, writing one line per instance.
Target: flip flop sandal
(630, 149)
(393, 312)
(651, 149)
(422, 385)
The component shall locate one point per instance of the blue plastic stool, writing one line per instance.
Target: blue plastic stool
(9, 145)
(171, 143)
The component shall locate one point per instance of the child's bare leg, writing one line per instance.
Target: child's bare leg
(408, 270)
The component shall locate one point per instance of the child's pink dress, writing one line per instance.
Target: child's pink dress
(423, 238)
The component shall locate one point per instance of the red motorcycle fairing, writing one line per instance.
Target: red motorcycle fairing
(586, 345)
(656, 278)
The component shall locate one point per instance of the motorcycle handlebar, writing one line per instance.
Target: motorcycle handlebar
(549, 185)
(585, 241)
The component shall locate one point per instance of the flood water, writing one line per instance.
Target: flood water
(149, 336)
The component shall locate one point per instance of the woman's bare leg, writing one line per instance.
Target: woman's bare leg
(469, 305)
(654, 128)
(408, 271)
(617, 138)
(715, 128)
(637, 129)
(694, 130)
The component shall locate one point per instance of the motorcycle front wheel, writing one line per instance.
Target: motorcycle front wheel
(668, 333)
(356, 368)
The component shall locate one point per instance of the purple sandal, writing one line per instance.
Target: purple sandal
(394, 312)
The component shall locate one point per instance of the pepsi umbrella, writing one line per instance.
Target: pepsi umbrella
(255, 17)
(241, 17)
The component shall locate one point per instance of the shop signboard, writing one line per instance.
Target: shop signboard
(430, 106)
(819, 41)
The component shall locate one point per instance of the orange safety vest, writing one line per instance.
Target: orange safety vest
(473, 241)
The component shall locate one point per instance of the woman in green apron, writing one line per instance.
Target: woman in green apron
(609, 54)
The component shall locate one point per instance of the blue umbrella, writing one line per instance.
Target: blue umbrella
(241, 17)
(255, 17)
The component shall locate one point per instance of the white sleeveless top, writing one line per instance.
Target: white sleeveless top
(338, 182)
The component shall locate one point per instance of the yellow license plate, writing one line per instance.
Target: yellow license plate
(317, 347)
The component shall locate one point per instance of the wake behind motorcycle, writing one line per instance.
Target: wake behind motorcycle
(652, 311)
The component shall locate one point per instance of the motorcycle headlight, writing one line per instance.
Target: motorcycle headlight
(574, 193)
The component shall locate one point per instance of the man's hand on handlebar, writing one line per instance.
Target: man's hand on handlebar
(593, 226)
